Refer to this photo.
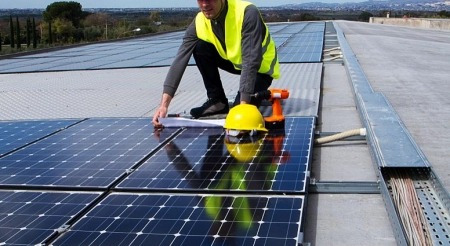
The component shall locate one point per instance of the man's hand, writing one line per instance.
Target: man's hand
(161, 112)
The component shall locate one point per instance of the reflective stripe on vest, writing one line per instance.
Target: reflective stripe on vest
(233, 39)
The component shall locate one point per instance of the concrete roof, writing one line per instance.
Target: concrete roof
(408, 65)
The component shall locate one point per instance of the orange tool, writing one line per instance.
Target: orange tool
(276, 120)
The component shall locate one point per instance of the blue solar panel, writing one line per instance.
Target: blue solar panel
(304, 45)
(164, 46)
(151, 219)
(16, 134)
(93, 153)
(29, 218)
(241, 179)
(303, 57)
(205, 159)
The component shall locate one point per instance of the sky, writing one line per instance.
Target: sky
(42, 4)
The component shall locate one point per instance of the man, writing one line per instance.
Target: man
(230, 35)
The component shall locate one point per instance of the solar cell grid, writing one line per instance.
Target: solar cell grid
(15, 134)
(93, 153)
(29, 218)
(304, 44)
(146, 219)
(292, 29)
(315, 27)
(308, 48)
(204, 159)
(305, 57)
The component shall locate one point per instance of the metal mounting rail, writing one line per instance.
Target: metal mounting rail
(392, 148)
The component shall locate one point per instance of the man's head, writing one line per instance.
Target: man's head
(211, 8)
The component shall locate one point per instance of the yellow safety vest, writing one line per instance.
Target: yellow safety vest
(233, 39)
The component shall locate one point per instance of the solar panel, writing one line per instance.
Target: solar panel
(128, 53)
(93, 153)
(302, 46)
(204, 159)
(16, 134)
(303, 57)
(299, 43)
(163, 219)
(29, 218)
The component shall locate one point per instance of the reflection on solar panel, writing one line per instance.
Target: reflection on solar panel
(205, 159)
(241, 180)
(146, 219)
(296, 42)
(93, 153)
(15, 134)
(29, 218)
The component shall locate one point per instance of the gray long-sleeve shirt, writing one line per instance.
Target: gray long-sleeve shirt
(253, 33)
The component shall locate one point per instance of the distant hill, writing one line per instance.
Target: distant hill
(294, 5)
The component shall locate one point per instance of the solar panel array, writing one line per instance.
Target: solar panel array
(296, 42)
(115, 181)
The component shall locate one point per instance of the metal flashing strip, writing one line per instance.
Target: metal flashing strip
(343, 187)
(392, 145)
(388, 136)
(359, 81)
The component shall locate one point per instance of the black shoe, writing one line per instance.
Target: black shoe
(210, 107)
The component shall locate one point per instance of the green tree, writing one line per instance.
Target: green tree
(71, 11)
(50, 35)
(304, 17)
(18, 32)
(11, 34)
(96, 26)
(28, 32)
(64, 30)
(155, 16)
(93, 33)
(98, 19)
(34, 34)
(365, 16)
(444, 14)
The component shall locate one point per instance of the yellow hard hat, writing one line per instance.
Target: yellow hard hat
(244, 117)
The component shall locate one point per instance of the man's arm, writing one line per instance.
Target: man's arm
(181, 60)
(176, 72)
(253, 31)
